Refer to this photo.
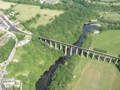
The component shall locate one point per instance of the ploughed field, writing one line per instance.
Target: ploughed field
(94, 75)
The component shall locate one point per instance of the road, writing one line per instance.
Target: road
(11, 27)
(6, 63)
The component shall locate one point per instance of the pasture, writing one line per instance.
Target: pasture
(107, 40)
(94, 75)
(5, 5)
(29, 11)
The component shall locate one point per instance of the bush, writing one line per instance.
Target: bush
(38, 15)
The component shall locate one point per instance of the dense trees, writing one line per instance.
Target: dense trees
(68, 26)
(63, 74)
(5, 50)
(33, 2)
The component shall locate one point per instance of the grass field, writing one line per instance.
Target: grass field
(5, 5)
(112, 16)
(107, 40)
(93, 75)
(26, 13)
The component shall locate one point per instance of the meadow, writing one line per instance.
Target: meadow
(95, 75)
(29, 11)
(5, 5)
(107, 40)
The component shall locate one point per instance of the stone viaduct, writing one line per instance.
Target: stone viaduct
(82, 51)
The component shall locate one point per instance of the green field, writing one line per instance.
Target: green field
(112, 16)
(5, 5)
(94, 75)
(107, 40)
(29, 11)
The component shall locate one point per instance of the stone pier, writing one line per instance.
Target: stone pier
(56, 46)
(82, 53)
(116, 62)
(65, 50)
(110, 60)
(99, 57)
(76, 50)
(104, 58)
(93, 55)
(88, 53)
(71, 51)
(50, 43)
(60, 46)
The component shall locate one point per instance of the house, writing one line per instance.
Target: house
(8, 83)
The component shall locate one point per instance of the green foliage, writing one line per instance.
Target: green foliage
(88, 39)
(32, 2)
(12, 18)
(33, 59)
(1, 34)
(20, 36)
(68, 25)
(5, 50)
(63, 75)
(56, 6)
(38, 15)
(118, 66)
(103, 28)
(32, 20)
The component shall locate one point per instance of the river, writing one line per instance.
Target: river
(46, 78)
